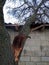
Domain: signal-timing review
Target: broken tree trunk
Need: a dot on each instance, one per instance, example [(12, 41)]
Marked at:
[(19, 40)]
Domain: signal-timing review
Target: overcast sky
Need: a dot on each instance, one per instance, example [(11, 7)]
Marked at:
[(9, 5)]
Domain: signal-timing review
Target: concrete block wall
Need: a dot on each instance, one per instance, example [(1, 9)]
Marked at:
[(36, 49)]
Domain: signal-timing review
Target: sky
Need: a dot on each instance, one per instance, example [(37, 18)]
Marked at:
[(8, 18), (9, 5)]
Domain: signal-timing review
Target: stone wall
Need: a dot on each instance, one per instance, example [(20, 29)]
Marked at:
[(36, 49)]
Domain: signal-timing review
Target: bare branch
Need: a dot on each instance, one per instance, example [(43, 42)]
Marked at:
[(46, 14), (46, 6), (40, 13), (20, 6), (42, 2)]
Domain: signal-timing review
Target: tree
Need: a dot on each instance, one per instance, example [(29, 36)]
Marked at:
[(6, 55), (37, 14)]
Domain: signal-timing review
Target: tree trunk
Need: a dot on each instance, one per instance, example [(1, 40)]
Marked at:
[(6, 55), (24, 33), (19, 40)]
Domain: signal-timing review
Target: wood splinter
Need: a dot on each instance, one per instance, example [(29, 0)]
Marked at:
[(17, 45)]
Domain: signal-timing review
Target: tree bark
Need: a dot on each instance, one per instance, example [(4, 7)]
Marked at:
[(6, 55)]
